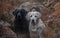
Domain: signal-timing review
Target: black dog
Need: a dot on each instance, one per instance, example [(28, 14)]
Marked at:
[(20, 23)]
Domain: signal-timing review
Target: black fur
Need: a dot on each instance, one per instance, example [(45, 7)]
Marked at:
[(20, 23)]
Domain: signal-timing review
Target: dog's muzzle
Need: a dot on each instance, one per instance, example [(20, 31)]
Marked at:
[(19, 15), (33, 22)]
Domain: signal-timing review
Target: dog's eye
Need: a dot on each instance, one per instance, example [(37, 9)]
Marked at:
[(31, 16), (35, 16)]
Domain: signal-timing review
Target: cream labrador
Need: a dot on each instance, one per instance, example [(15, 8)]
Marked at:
[(36, 25)]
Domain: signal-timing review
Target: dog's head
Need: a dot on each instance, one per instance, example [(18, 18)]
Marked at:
[(33, 16), (20, 13)]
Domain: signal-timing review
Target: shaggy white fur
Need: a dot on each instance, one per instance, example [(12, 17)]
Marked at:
[(36, 25)]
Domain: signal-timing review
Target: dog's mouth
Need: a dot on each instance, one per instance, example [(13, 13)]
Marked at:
[(33, 22)]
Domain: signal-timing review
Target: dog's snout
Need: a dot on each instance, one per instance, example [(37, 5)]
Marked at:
[(32, 20), (19, 16)]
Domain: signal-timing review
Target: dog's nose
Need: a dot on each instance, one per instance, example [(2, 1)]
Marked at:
[(32, 20), (19, 16)]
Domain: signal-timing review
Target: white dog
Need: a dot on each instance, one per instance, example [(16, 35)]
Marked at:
[(36, 25)]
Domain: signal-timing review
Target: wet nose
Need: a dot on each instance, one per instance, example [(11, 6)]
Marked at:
[(32, 20), (19, 16)]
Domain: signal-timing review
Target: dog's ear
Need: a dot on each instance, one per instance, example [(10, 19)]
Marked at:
[(15, 12), (39, 14)]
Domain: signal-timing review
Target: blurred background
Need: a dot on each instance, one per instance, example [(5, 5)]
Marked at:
[(50, 15)]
